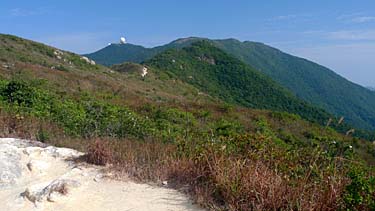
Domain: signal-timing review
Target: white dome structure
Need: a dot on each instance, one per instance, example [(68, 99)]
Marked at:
[(122, 40)]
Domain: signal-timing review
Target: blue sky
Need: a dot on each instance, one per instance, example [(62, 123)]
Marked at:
[(337, 34)]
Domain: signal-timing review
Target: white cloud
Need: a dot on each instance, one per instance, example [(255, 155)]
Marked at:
[(295, 18), (313, 32), (342, 35), (354, 35), (358, 17), (349, 16), (363, 19), (284, 17), (19, 12)]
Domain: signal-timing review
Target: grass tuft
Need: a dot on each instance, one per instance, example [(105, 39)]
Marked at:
[(99, 153)]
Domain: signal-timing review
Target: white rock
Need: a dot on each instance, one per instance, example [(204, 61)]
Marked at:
[(32, 151), (37, 194), (98, 178), (144, 72), (38, 166), (85, 59), (10, 166), (58, 52), (88, 60), (54, 196), (68, 153)]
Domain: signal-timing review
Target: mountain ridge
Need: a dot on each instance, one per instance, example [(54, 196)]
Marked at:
[(216, 72), (307, 80)]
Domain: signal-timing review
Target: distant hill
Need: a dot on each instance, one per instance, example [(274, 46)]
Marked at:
[(307, 80), (129, 52), (371, 88), (217, 73), (119, 53)]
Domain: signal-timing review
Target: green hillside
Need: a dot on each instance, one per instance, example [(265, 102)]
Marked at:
[(218, 74), (307, 80)]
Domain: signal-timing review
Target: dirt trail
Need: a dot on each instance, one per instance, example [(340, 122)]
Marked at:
[(41, 178)]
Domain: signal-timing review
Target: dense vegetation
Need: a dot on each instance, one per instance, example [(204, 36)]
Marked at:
[(309, 81), (159, 128), (239, 168), (85, 117), (218, 74), (312, 82)]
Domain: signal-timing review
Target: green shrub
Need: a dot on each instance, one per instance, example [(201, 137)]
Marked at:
[(360, 193), (227, 128), (285, 116), (19, 93), (42, 135), (172, 123), (84, 117)]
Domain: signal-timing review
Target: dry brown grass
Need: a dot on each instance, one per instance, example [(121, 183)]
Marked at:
[(214, 180), (99, 153), (218, 182), (17, 125)]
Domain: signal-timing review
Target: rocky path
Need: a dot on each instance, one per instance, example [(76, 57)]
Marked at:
[(37, 177)]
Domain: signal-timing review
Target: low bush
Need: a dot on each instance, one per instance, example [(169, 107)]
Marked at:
[(360, 193), (85, 117), (99, 153)]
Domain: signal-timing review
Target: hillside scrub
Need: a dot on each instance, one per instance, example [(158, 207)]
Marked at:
[(245, 172), (86, 117), (222, 162)]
